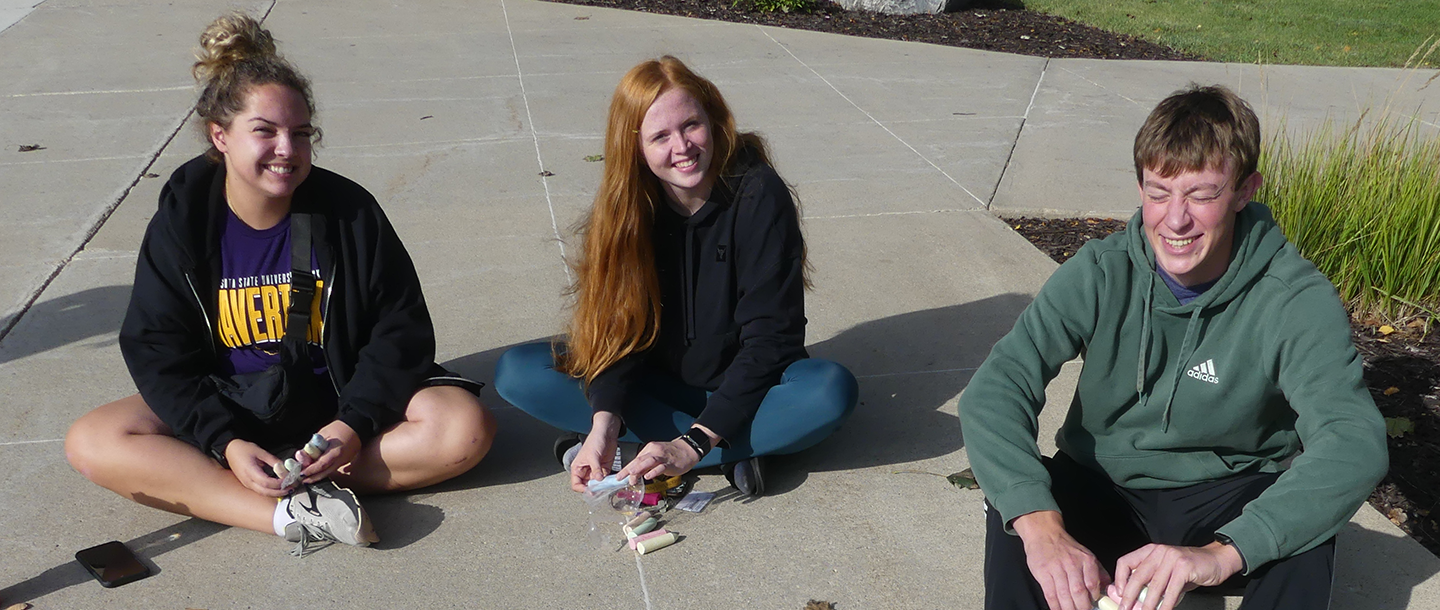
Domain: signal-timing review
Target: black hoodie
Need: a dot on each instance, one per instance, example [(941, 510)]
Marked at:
[(379, 343), (732, 297)]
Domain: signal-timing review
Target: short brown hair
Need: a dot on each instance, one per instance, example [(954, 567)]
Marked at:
[(1199, 128)]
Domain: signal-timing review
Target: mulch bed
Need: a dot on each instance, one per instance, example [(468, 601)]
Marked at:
[(992, 25), (1402, 370)]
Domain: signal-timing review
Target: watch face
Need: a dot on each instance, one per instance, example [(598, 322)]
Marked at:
[(697, 440), (699, 437)]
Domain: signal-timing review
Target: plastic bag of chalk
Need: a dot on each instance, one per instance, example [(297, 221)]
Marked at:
[(611, 502)]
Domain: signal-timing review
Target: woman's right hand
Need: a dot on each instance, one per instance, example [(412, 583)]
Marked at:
[(254, 467), (597, 453)]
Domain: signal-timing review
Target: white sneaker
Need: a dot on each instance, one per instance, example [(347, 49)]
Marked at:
[(325, 512)]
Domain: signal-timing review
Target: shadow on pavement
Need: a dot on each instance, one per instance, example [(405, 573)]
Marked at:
[(910, 367), (1378, 571), (68, 319), (146, 547), (522, 448), (402, 520)]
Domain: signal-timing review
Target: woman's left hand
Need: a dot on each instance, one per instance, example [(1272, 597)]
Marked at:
[(344, 445), (661, 457)]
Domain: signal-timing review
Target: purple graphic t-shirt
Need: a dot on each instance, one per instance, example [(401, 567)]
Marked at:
[(255, 296)]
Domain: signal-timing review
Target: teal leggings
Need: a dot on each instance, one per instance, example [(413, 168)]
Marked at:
[(813, 398)]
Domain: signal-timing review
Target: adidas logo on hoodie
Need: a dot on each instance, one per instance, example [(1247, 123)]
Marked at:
[(1204, 372)]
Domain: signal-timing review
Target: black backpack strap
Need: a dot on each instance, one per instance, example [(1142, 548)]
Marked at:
[(302, 282)]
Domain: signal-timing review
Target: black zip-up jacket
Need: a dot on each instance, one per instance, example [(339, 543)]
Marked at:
[(732, 296), (379, 343)]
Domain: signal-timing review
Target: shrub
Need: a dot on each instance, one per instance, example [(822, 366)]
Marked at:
[(1363, 204)]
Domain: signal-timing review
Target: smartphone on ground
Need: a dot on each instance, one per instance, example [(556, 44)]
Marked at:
[(112, 564)]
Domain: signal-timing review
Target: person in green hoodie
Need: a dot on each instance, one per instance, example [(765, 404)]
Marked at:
[(1220, 431)]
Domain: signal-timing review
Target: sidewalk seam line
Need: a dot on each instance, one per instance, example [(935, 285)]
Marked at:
[(644, 590), (535, 137), (1103, 87), (1019, 132), (94, 228), (48, 440), (876, 214), (97, 92), (9, 325), (930, 372), (868, 115)]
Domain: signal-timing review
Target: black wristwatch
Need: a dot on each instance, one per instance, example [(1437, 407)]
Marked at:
[(698, 440)]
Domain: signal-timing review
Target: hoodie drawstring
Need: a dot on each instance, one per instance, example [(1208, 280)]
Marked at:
[(1187, 349), (1144, 341)]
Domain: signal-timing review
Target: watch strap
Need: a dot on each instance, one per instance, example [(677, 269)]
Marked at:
[(697, 441)]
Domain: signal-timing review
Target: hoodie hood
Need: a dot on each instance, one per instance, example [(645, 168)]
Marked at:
[(1257, 240), (192, 209)]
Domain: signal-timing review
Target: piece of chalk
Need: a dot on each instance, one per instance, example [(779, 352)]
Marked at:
[(291, 464), (643, 537), (1107, 603), (607, 484), (645, 526), (318, 441), (313, 451), (639, 518), (655, 544), (280, 469)]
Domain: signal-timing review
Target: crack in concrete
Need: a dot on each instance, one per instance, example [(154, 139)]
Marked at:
[(870, 116), (12, 321), (539, 159), (1018, 132)]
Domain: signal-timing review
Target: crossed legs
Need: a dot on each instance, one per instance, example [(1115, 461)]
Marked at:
[(122, 446)]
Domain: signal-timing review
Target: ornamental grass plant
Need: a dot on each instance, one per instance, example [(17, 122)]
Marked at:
[(1362, 202)]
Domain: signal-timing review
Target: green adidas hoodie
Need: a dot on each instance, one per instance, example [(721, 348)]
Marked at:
[(1257, 370)]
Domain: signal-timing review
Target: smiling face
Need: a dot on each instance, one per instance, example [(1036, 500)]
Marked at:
[(1190, 220), (267, 147), (675, 140)]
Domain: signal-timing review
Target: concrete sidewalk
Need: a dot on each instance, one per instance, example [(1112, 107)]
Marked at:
[(449, 112)]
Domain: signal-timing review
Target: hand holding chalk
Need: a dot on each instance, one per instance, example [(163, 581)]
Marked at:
[(1108, 603), (316, 446), (294, 469), (608, 484)]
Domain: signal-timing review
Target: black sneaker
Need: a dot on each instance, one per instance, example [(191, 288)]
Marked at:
[(747, 476)]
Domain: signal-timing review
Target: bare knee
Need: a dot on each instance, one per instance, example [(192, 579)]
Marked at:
[(459, 427), (93, 440)]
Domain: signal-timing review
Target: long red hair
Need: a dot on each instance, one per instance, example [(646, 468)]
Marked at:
[(617, 293)]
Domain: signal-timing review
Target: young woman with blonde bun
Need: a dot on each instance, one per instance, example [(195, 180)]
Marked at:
[(688, 331), (210, 327)]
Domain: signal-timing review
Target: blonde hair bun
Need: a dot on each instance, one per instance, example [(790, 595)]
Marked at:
[(229, 40)]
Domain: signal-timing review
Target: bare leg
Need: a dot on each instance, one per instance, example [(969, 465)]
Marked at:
[(122, 446), (446, 431)]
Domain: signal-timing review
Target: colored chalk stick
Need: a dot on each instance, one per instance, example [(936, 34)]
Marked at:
[(643, 537), (645, 526), (655, 544), (639, 518)]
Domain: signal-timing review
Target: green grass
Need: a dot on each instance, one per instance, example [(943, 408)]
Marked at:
[(1363, 203), (1309, 32)]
